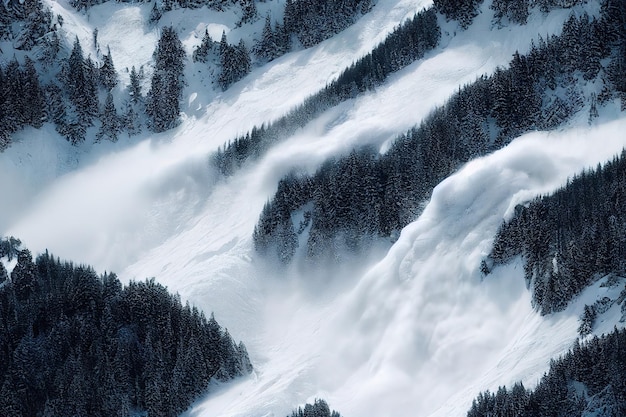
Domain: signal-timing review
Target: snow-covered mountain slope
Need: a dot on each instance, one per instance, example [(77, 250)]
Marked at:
[(412, 333), (155, 164)]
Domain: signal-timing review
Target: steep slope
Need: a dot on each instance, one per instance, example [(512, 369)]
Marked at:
[(421, 324), (163, 160), (398, 338)]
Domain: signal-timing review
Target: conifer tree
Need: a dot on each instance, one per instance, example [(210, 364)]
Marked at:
[(134, 86), (163, 100), (107, 74), (34, 98), (267, 47), (110, 126), (201, 53), (130, 122), (155, 13), (3, 274), (249, 11), (79, 78)]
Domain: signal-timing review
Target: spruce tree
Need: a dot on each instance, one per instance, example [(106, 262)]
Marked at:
[(134, 86), (79, 78), (110, 126), (3, 274), (34, 98), (155, 14), (131, 123), (249, 11), (107, 74), (163, 100), (267, 48), (201, 53)]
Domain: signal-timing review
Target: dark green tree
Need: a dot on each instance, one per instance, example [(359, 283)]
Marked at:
[(166, 89)]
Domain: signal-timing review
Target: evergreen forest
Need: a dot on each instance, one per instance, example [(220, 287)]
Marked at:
[(588, 380), (74, 343), (351, 201)]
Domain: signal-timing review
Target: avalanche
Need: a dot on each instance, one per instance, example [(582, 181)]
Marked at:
[(415, 332)]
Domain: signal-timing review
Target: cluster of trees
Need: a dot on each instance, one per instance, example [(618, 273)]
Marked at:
[(307, 23), (513, 11), (30, 27), (75, 104), (21, 99), (517, 11), (537, 91), (229, 63), (73, 343), (35, 23), (409, 42), (81, 97), (589, 380), (463, 11), (505, 11), (235, 62), (167, 5), (571, 238), (318, 409)]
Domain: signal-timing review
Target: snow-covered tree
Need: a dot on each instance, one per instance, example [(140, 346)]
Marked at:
[(107, 73), (267, 48), (110, 121), (79, 78), (249, 11), (234, 61), (163, 100)]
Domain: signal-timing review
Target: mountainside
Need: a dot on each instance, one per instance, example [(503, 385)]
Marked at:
[(411, 323)]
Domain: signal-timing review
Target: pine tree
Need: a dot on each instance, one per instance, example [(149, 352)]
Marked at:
[(131, 123), (110, 126), (163, 101), (34, 98), (79, 78), (155, 14), (24, 275), (249, 11), (134, 86), (243, 60), (3, 274), (267, 47), (201, 53), (50, 45), (107, 74)]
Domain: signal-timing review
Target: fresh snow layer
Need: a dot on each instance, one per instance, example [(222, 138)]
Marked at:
[(416, 334)]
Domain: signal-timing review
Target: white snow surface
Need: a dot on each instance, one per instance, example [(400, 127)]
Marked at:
[(413, 332)]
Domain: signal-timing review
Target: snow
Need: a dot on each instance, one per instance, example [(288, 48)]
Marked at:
[(413, 332)]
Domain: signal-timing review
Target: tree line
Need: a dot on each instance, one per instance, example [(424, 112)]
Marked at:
[(571, 238), (588, 380), (505, 11), (79, 97), (406, 44), (319, 408), (354, 199), (74, 343)]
